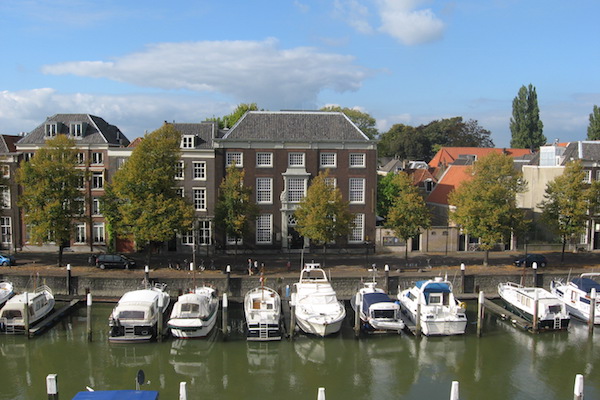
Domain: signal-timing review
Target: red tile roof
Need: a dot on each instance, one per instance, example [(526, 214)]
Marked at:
[(447, 155), (452, 178)]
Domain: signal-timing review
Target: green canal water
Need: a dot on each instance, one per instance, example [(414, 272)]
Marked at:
[(505, 363)]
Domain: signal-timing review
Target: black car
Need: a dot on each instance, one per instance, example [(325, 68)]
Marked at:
[(114, 261), (528, 260)]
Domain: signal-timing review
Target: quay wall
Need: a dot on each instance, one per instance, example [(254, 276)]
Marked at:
[(345, 286)]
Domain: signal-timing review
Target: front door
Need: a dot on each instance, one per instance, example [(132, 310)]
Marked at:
[(296, 241)]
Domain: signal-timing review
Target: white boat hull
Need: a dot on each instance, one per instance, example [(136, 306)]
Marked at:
[(576, 300), (192, 328), (319, 326), (262, 310), (41, 302), (194, 315)]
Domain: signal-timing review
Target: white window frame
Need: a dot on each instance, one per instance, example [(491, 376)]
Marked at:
[(199, 199), (356, 190), (5, 230), (199, 170), (80, 158), (264, 190), (204, 232), (232, 241), (187, 238), (294, 192), (236, 157), (76, 130), (98, 233), (264, 229), (187, 141), (296, 159), (264, 159), (80, 233), (96, 206), (180, 191), (357, 233), (357, 160), (5, 171), (98, 180), (180, 170), (587, 178), (328, 160), (97, 158), (51, 129), (5, 197), (331, 181)]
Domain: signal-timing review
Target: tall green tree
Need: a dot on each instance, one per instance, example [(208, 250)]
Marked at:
[(593, 130), (322, 215), (566, 203), (229, 120), (141, 201), (235, 210), (525, 125), (408, 214), (485, 206), (50, 197), (362, 120)]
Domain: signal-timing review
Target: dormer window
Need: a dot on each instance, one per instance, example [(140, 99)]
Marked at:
[(51, 129), (76, 129), (187, 142)]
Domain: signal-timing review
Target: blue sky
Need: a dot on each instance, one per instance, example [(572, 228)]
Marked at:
[(139, 63)]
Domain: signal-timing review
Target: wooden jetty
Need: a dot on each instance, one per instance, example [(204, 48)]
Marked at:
[(52, 318)]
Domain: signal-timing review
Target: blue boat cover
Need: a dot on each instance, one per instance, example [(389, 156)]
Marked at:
[(434, 287), (372, 298), (118, 395), (586, 284)]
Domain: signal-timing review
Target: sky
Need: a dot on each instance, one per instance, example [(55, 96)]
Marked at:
[(139, 63)]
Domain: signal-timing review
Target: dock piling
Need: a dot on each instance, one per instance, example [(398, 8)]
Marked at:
[(480, 302), (536, 303), (292, 315), (68, 279), (227, 283), (159, 325), (52, 386), (386, 281), (534, 267), (593, 301), (89, 317), (26, 313), (454, 395), (462, 277), (357, 321), (578, 389), (224, 318), (321, 394), (147, 276), (418, 320), (182, 390)]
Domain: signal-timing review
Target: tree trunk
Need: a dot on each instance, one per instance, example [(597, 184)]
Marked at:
[(562, 254), (60, 255), (406, 253), (486, 257)]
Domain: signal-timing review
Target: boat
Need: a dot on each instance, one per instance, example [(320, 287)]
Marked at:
[(194, 314), (40, 303), (432, 302), (317, 309), (551, 311), (377, 311), (117, 395), (576, 295), (6, 292), (262, 308), (136, 316)]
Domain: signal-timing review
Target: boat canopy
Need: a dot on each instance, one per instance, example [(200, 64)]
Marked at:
[(373, 298), (118, 395), (434, 287), (586, 284)]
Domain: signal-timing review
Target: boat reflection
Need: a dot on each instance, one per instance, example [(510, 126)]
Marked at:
[(190, 357)]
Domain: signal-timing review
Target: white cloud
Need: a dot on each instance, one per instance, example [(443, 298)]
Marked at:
[(250, 71), (401, 20), (355, 14)]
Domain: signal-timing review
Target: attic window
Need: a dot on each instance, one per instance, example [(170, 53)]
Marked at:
[(187, 142), (76, 129), (51, 129)]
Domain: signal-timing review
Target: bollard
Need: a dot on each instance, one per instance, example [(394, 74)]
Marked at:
[(182, 391), (68, 279), (321, 394), (536, 303), (224, 319), (227, 283), (481, 300), (159, 325), (147, 275), (454, 391), (534, 267), (52, 386), (89, 317), (386, 282), (592, 311), (578, 389), (418, 320), (192, 266), (462, 277)]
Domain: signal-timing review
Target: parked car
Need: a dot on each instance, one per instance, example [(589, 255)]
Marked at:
[(528, 260), (114, 261), (6, 259)]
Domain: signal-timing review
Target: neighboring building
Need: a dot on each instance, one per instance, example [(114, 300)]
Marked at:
[(10, 229), (94, 138), (281, 151)]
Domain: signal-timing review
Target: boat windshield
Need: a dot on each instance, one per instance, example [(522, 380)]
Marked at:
[(128, 314), (556, 309), (11, 314), (384, 314), (190, 307), (323, 299), (438, 299)]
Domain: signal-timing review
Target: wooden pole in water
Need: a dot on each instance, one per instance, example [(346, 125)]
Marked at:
[(462, 276), (578, 389), (89, 317), (418, 319), (321, 394), (159, 325), (534, 267), (224, 318), (26, 313), (592, 311), (292, 315), (182, 391), (52, 386), (356, 319), (227, 283), (68, 279), (454, 391), (481, 300), (536, 304), (146, 276), (386, 270)]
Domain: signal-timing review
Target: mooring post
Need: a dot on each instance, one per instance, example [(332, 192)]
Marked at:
[(224, 318), (227, 282), (292, 315), (52, 386), (418, 319), (462, 277), (68, 279), (534, 267), (321, 394), (592, 311), (536, 303), (146, 276), (480, 306), (578, 389), (89, 317), (454, 391), (182, 390), (356, 320), (386, 271), (26, 313), (159, 325)]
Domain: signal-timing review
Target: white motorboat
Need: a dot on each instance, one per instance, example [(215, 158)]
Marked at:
[(318, 310), (551, 311), (39, 303), (262, 308), (577, 295), (377, 311), (6, 292), (434, 305), (136, 316), (194, 314)]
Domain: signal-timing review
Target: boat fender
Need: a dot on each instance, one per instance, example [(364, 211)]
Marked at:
[(462, 305)]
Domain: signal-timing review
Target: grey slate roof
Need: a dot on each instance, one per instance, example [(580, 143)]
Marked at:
[(204, 131), (7, 143), (315, 126), (97, 131), (582, 150)]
